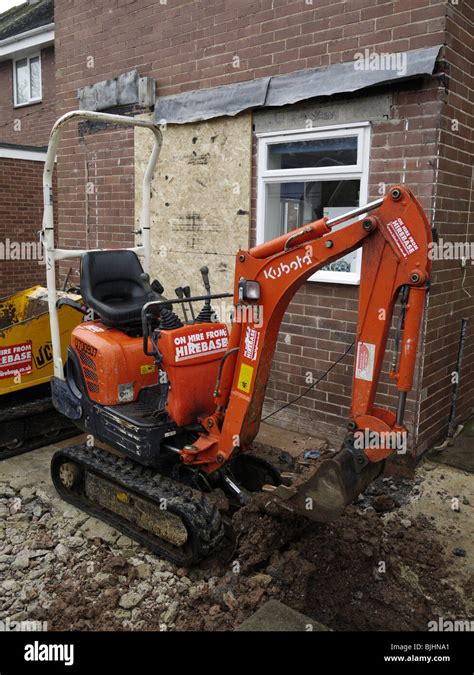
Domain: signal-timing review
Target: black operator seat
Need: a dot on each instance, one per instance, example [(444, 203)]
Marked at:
[(114, 285)]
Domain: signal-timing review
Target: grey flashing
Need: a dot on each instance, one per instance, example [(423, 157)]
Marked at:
[(203, 104), (121, 90)]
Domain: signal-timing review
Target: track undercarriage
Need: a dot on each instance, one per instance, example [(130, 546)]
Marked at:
[(28, 421), (172, 518)]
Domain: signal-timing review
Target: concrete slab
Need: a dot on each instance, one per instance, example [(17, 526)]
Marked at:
[(275, 616), (291, 441)]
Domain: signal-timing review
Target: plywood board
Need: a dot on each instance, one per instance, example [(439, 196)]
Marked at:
[(200, 210)]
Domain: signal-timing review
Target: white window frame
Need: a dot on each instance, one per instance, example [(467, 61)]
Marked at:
[(359, 171), (28, 57)]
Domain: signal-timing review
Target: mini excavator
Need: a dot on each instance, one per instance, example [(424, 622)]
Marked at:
[(172, 407)]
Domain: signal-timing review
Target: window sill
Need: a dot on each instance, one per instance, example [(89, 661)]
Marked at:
[(24, 105)]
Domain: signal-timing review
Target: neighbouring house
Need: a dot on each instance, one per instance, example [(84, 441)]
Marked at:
[(27, 112), (275, 112)]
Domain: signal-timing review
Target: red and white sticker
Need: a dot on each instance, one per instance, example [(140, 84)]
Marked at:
[(94, 328), (252, 338), (16, 360), (198, 344), (402, 237), (365, 361)]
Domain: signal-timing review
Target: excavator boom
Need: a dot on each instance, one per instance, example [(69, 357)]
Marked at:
[(394, 235)]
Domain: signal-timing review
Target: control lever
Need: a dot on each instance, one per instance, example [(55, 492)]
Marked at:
[(205, 279), (157, 287), (206, 313), (180, 293), (187, 294)]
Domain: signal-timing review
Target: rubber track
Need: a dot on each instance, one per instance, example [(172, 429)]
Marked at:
[(202, 518)]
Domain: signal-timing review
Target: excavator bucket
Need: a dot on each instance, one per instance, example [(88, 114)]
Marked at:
[(322, 491)]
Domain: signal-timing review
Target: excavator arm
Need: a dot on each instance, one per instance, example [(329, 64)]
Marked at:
[(394, 235)]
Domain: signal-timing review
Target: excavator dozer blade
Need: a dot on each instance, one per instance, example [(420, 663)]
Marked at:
[(322, 492)]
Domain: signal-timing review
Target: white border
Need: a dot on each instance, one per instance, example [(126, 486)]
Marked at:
[(28, 57), (359, 171)]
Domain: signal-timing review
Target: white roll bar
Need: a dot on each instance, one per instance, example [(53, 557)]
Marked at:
[(52, 254)]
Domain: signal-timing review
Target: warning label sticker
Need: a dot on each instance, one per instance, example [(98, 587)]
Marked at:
[(245, 377), (193, 345), (365, 361), (16, 360), (402, 237)]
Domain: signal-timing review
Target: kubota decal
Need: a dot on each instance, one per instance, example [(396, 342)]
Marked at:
[(285, 268), (16, 360), (197, 344), (252, 338), (365, 361), (402, 237)]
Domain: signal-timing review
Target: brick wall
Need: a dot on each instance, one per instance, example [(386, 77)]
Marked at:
[(31, 124), (21, 210), (452, 292), (189, 44), (21, 192)]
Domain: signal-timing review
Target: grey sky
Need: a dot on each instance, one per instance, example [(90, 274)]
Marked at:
[(6, 4)]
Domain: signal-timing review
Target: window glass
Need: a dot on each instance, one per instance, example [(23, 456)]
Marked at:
[(22, 81), (35, 77), (323, 152), (289, 205)]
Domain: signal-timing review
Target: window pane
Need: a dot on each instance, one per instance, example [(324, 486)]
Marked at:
[(321, 152), (22, 83), (293, 204), (35, 77)]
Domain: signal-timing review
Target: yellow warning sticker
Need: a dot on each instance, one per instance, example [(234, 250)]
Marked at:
[(150, 368), (245, 377)]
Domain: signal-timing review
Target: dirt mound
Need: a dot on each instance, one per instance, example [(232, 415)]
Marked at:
[(365, 571)]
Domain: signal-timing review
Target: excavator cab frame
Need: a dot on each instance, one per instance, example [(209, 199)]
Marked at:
[(53, 254)]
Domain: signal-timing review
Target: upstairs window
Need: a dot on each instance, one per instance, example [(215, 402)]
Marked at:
[(27, 80), (305, 175)]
